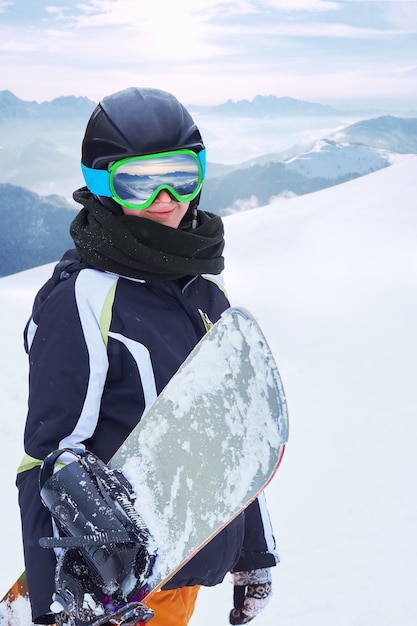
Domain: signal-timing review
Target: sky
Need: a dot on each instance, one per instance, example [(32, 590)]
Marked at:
[(209, 51), (331, 277)]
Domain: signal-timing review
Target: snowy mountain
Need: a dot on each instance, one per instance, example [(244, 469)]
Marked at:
[(33, 229), (43, 165), (331, 278), (40, 143), (337, 162), (324, 164), (395, 134), (358, 149)]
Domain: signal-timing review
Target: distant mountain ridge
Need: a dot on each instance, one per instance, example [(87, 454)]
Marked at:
[(262, 106), (13, 107)]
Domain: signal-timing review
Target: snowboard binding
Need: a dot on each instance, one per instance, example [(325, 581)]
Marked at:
[(106, 553)]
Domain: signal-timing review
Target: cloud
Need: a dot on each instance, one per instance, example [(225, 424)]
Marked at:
[(58, 13), (242, 204), (213, 28), (5, 5), (13, 46), (302, 5), (401, 15), (181, 14), (153, 31), (314, 30), (143, 16), (212, 32), (205, 51)]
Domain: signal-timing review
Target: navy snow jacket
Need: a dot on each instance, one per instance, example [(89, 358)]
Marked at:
[(101, 348)]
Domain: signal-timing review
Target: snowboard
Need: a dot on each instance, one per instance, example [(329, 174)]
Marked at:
[(206, 448)]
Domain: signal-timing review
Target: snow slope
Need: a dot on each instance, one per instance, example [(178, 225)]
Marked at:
[(331, 160), (331, 276)]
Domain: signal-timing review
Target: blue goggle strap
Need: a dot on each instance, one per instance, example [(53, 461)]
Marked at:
[(98, 181)]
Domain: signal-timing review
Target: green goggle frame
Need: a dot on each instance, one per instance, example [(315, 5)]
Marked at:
[(135, 182)]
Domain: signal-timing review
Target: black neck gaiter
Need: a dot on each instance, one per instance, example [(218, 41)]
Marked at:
[(141, 248)]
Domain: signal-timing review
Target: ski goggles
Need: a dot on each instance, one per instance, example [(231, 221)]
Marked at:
[(135, 182)]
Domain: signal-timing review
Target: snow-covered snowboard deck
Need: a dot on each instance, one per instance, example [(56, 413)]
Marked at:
[(209, 444), (206, 448)]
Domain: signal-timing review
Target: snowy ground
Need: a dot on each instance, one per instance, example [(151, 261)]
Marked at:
[(332, 277)]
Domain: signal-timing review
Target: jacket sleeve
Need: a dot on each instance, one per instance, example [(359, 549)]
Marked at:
[(68, 366), (259, 549)]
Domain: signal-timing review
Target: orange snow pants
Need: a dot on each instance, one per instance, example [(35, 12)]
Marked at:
[(173, 607)]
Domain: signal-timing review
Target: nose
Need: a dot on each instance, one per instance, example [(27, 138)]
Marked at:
[(163, 196)]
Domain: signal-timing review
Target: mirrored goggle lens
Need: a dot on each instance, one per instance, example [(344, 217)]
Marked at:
[(138, 181)]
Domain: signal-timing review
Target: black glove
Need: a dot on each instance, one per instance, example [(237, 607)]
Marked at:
[(252, 592)]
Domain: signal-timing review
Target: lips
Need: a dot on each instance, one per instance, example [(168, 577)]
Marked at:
[(165, 213), (162, 213)]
